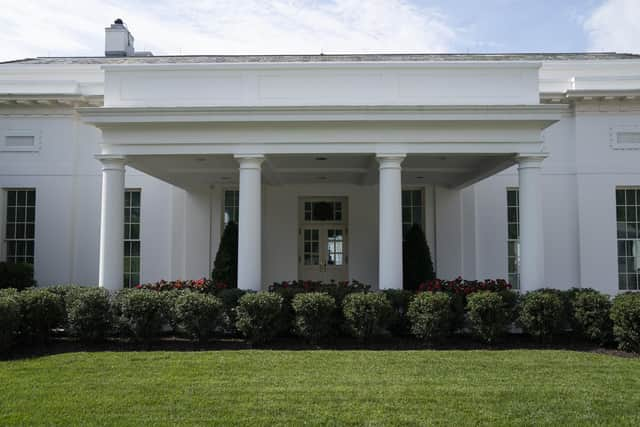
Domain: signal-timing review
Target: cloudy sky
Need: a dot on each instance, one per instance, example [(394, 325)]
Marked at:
[(68, 27)]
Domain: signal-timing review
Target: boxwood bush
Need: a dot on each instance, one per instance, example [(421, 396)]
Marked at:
[(590, 315), (142, 313), (625, 314), (542, 314), (9, 320), (430, 315), (489, 315), (40, 312), (259, 316), (366, 314), (314, 313), (399, 300), (89, 314), (198, 314)]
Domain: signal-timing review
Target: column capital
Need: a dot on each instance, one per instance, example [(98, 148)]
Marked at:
[(390, 161), (530, 160), (111, 161), (249, 161)]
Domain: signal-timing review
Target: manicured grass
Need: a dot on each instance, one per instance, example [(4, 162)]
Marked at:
[(321, 387)]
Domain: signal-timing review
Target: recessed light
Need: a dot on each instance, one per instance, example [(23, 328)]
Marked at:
[(321, 158)]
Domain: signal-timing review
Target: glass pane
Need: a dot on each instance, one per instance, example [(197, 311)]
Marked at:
[(622, 248), (12, 198), (622, 281), (513, 232), (307, 234), (127, 231), (127, 249), (20, 231), (512, 214), (631, 213), (135, 214), (338, 259), (135, 264), (135, 231), (135, 198), (11, 231), (511, 198), (619, 197), (20, 214), (30, 249), (632, 282), (22, 198), (31, 198), (127, 214), (406, 215), (135, 248), (406, 197), (631, 197), (315, 234), (622, 230), (620, 213), (417, 215), (11, 214), (127, 198)]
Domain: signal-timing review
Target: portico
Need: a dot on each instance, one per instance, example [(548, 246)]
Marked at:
[(269, 135)]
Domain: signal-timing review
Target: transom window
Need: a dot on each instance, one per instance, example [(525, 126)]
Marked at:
[(323, 211), (513, 237), (412, 210), (628, 235), (131, 238), (231, 206), (20, 226)]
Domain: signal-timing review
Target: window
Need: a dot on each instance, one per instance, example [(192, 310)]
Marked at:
[(131, 238), (513, 237), (628, 219), (20, 229), (231, 206), (412, 210), (323, 211)]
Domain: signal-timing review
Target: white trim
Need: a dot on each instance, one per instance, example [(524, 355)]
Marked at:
[(614, 136), (37, 140)]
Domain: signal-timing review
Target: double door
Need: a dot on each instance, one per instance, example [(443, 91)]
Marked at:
[(323, 252)]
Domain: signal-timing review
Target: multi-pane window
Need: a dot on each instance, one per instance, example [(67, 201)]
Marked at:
[(231, 206), (131, 238), (20, 225), (335, 247), (513, 237), (412, 210), (323, 211), (628, 225), (311, 241)]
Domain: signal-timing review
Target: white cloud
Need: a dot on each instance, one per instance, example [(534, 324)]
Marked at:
[(58, 27), (615, 26)]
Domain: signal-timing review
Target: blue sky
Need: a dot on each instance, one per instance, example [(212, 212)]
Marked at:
[(76, 28)]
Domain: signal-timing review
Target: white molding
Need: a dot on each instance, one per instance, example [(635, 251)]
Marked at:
[(37, 140), (615, 131)]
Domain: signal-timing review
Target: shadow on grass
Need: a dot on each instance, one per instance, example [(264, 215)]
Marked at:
[(61, 345)]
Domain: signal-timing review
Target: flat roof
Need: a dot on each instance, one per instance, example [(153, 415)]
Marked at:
[(392, 57)]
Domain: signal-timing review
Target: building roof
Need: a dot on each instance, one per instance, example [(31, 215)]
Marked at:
[(394, 57)]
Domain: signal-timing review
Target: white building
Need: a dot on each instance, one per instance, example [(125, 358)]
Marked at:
[(324, 160)]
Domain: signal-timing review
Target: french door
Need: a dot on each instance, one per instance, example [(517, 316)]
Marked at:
[(323, 245)]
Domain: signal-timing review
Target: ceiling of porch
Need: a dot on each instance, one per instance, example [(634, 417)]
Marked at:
[(190, 171)]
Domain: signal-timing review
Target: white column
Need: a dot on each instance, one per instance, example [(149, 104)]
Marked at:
[(531, 231), (249, 223), (111, 266), (390, 221)]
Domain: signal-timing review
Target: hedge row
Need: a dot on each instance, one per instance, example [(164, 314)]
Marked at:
[(316, 312)]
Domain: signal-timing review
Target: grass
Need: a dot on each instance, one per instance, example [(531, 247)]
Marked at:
[(525, 387)]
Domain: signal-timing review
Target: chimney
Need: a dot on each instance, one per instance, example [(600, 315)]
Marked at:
[(118, 40)]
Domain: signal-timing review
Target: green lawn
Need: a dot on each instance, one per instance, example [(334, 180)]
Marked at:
[(321, 387)]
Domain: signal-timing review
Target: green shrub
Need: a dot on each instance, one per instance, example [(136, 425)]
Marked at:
[(68, 293), (430, 315), (225, 266), (198, 314), (489, 315), (416, 259), (9, 321), (142, 313), (590, 315), (366, 314), (17, 276), (40, 312), (625, 314), (258, 316), (230, 299), (542, 314), (399, 300), (89, 314), (313, 315)]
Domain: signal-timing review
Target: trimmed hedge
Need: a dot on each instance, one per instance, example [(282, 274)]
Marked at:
[(9, 320), (89, 314), (430, 315), (259, 316), (399, 300), (198, 314), (590, 315), (542, 314), (366, 314), (313, 315), (40, 311), (625, 314), (489, 315), (142, 313)]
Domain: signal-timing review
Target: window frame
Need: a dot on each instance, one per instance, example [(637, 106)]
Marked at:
[(5, 221), (412, 206), (224, 206), (127, 283), (513, 274), (634, 241)]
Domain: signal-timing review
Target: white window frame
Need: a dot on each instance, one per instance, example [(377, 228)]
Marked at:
[(423, 208), (511, 275), (128, 283), (634, 241), (4, 221), (224, 206)]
